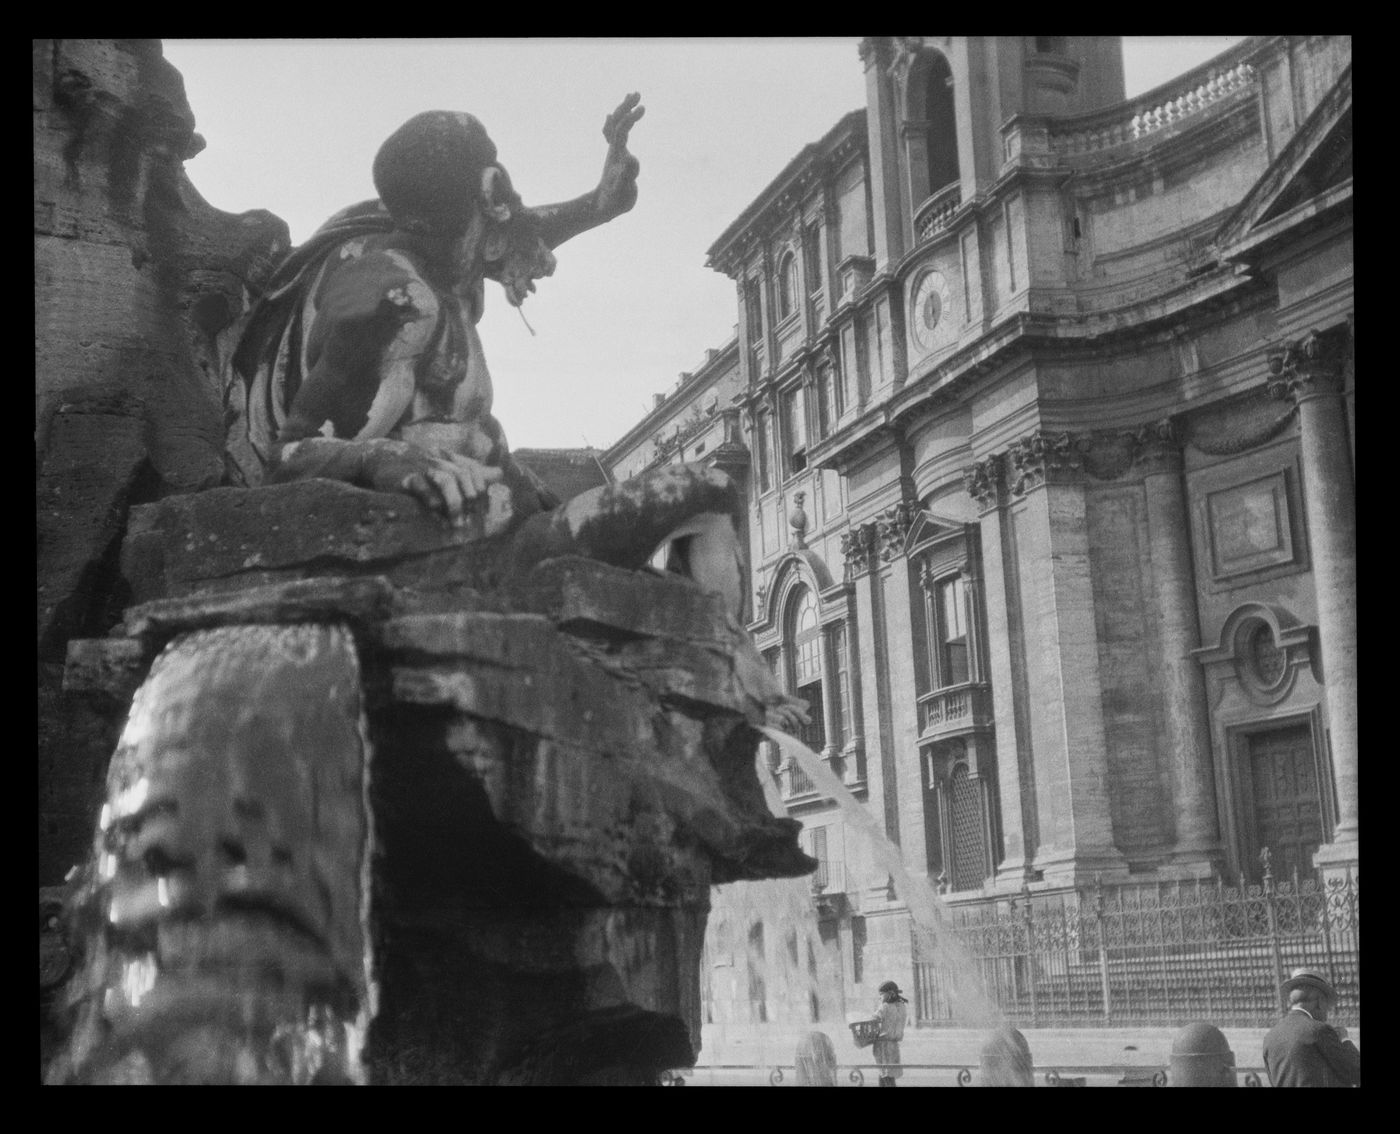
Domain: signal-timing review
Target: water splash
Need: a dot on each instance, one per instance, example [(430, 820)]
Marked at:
[(937, 943)]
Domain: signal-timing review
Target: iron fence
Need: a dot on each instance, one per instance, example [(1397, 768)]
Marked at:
[(1156, 954)]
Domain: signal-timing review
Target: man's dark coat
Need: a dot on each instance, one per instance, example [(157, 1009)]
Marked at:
[(1302, 1052)]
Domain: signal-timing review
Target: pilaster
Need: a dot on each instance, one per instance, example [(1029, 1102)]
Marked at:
[(859, 548), (986, 485), (892, 528)]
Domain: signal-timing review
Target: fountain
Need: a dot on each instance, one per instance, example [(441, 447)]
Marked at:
[(423, 775), (936, 941), (427, 775), (795, 985)]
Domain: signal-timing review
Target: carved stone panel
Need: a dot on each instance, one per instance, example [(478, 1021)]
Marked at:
[(1249, 526)]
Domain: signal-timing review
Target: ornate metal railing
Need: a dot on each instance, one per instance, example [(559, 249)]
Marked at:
[(1157, 109), (1156, 953), (936, 211)]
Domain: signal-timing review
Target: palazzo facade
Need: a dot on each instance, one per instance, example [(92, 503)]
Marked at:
[(1042, 400)]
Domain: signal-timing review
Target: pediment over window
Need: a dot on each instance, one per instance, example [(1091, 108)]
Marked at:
[(929, 527), (1310, 177)]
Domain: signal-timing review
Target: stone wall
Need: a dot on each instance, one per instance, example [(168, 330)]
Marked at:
[(139, 285)]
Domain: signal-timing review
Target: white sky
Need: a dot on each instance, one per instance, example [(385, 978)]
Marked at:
[(292, 127)]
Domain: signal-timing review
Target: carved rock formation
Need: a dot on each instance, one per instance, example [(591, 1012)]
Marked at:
[(562, 766), (138, 285)]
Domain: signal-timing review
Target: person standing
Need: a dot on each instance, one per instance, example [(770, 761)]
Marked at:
[(1303, 1049), (890, 1017)]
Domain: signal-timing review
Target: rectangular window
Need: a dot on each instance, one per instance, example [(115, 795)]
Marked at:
[(794, 409), (952, 632), (753, 306), (841, 676), (816, 847), (812, 257), (763, 448), (826, 400)]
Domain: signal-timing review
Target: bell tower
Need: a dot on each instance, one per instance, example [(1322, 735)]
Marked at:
[(936, 105)]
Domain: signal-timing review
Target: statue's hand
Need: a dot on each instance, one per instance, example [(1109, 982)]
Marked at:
[(617, 189), (445, 482)]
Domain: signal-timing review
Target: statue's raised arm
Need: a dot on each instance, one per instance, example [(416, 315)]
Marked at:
[(616, 192)]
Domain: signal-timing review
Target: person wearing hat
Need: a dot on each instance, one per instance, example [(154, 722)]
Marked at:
[(1303, 1049), (890, 1017)]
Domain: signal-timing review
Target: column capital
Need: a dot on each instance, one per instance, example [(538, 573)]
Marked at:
[(1157, 447), (858, 548), (1044, 458), (892, 527), (986, 484), (1309, 367)]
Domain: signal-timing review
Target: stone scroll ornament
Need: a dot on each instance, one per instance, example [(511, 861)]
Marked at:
[(427, 774)]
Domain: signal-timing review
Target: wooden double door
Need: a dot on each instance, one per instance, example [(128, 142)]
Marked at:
[(1283, 800)]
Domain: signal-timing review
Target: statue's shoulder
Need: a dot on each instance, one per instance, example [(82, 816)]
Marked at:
[(368, 275)]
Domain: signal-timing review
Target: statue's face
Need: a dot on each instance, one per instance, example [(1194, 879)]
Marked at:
[(508, 245)]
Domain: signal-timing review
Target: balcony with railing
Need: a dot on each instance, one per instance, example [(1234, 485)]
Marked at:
[(955, 710), (933, 216), (1161, 112)]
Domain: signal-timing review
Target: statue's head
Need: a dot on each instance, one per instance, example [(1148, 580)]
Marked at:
[(438, 176)]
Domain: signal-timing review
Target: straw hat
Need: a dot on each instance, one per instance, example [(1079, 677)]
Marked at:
[(1309, 978)]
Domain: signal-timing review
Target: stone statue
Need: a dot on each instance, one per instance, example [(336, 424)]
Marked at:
[(363, 364)]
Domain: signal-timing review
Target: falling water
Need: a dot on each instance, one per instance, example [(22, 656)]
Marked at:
[(937, 943), (223, 914)]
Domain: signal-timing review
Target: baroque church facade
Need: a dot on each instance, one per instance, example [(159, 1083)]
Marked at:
[(1042, 403)]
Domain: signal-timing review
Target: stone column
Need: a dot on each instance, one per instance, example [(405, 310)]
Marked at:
[(1310, 372), (858, 545), (1158, 455), (1062, 662), (1005, 656)]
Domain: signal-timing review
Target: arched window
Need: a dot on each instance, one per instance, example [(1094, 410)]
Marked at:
[(941, 138), (787, 285)]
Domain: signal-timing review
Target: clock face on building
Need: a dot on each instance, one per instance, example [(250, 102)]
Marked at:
[(931, 313)]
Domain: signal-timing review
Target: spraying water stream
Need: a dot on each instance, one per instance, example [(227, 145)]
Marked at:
[(970, 1002)]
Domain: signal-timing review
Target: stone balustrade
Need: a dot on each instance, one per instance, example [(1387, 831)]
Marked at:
[(958, 708), (934, 214), (1156, 111)]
